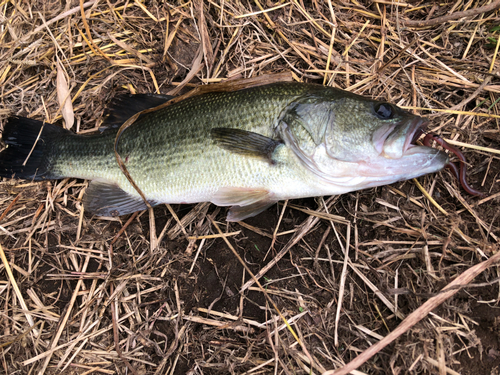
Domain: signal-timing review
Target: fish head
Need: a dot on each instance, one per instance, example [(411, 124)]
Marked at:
[(354, 142)]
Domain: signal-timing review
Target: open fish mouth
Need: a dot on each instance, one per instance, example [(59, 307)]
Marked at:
[(417, 128), (397, 141)]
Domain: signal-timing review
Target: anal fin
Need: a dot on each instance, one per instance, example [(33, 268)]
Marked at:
[(104, 198)]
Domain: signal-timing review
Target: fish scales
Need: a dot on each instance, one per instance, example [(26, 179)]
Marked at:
[(158, 147), (247, 149)]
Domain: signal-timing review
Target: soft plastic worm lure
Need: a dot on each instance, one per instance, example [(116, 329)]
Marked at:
[(458, 172)]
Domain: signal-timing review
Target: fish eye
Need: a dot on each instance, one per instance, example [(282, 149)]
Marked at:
[(384, 111)]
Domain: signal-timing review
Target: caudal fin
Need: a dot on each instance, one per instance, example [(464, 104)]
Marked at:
[(27, 152)]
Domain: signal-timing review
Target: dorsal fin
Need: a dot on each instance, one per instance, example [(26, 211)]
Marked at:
[(124, 106)]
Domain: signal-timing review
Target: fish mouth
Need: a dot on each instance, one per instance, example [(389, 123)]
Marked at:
[(401, 157), (402, 140), (417, 128)]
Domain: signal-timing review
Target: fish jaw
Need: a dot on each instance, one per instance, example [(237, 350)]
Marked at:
[(400, 139), (343, 177), (415, 162), (401, 158)]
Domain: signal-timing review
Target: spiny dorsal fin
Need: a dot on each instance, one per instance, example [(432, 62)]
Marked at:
[(245, 143), (122, 107)]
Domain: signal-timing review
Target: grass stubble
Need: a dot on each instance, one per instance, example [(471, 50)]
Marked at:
[(383, 277)]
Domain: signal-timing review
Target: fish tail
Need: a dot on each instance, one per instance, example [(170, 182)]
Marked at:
[(28, 146)]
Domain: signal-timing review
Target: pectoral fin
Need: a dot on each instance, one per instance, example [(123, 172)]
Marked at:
[(246, 143), (108, 199), (245, 202)]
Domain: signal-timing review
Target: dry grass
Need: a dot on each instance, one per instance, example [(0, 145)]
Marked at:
[(162, 293)]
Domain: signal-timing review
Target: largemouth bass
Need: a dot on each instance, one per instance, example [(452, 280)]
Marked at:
[(247, 149)]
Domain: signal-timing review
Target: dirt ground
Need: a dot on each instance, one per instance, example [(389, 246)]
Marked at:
[(163, 292)]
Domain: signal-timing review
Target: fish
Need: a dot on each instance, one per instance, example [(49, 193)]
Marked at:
[(247, 149)]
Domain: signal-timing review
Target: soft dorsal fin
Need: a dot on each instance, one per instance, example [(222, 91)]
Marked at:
[(245, 143), (122, 107), (104, 198)]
